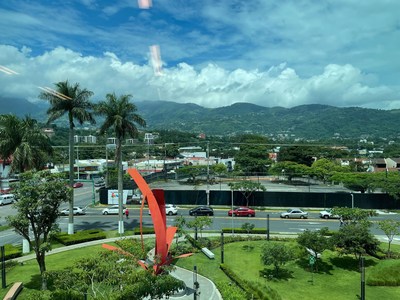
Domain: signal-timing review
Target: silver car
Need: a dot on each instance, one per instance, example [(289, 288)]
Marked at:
[(112, 210), (294, 213)]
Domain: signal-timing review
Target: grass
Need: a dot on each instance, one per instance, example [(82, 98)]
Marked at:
[(337, 278)]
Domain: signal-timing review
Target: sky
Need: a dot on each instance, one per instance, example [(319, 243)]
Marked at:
[(212, 53)]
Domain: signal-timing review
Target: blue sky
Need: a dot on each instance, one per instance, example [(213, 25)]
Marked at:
[(213, 53)]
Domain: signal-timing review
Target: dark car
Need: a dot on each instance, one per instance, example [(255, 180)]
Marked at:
[(242, 212), (201, 211)]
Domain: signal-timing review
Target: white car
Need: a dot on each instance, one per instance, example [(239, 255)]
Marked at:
[(76, 211), (113, 210), (294, 213), (6, 199), (327, 214), (170, 209)]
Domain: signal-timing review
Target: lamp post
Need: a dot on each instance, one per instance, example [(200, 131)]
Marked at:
[(352, 200), (232, 211)]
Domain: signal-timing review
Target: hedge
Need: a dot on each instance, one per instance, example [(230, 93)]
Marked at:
[(251, 289), (241, 231), (80, 237), (146, 230), (11, 251)]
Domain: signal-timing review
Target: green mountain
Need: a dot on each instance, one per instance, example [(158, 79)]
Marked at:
[(312, 121), (305, 121)]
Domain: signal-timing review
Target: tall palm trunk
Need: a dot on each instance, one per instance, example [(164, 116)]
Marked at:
[(120, 186), (71, 176)]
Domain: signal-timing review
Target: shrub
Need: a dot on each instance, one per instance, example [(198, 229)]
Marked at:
[(145, 230), (11, 251), (80, 237), (252, 290), (386, 273)]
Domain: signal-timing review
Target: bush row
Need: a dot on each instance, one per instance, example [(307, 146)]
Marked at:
[(244, 231), (145, 230), (11, 251), (387, 273), (80, 237), (252, 290)]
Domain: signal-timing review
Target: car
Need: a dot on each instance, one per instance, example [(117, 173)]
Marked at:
[(327, 214), (294, 213), (113, 210), (201, 211), (7, 199), (242, 211), (170, 209), (100, 183), (77, 210), (77, 185)]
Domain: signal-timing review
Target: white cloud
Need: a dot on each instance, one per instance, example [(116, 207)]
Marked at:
[(209, 86)]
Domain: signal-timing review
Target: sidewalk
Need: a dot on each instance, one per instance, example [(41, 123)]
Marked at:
[(207, 288)]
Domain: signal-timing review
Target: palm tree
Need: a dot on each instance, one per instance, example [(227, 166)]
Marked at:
[(73, 101), (24, 142), (120, 114)]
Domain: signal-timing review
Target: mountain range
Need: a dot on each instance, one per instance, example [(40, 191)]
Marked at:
[(313, 121)]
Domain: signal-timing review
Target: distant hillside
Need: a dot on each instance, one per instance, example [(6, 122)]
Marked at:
[(305, 121), (18, 106)]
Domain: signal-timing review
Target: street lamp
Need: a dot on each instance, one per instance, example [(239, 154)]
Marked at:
[(352, 200), (208, 174)]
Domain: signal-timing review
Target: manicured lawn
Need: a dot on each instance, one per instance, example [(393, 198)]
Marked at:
[(337, 278)]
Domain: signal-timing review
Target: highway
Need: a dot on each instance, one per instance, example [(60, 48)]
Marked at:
[(95, 219)]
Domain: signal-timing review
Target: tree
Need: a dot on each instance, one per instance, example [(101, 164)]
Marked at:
[(73, 101), (192, 171), (289, 169), (120, 115), (199, 223), (247, 188), (180, 223), (23, 140), (355, 181), (391, 228), (113, 275), (353, 215), (38, 198), (356, 239), (248, 227), (324, 168), (316, 241), (277, 254), (304, 155), (253, 155)]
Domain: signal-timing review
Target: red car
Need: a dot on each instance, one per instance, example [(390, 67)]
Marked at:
[(242, 212), (78, 185)]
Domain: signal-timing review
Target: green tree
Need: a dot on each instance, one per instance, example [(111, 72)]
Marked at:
[(180, 223), (74, 102), (248, 227), (120, 115), (289, 169), (303, 155), (356, 239), (38, 199), (391, 228), (315, 240), (247, 188), (23, 141), (324, 168), (199, 223), (361, 182), (276, 254), (353, 215), (192, 171), (112, 275), (253, 156)]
